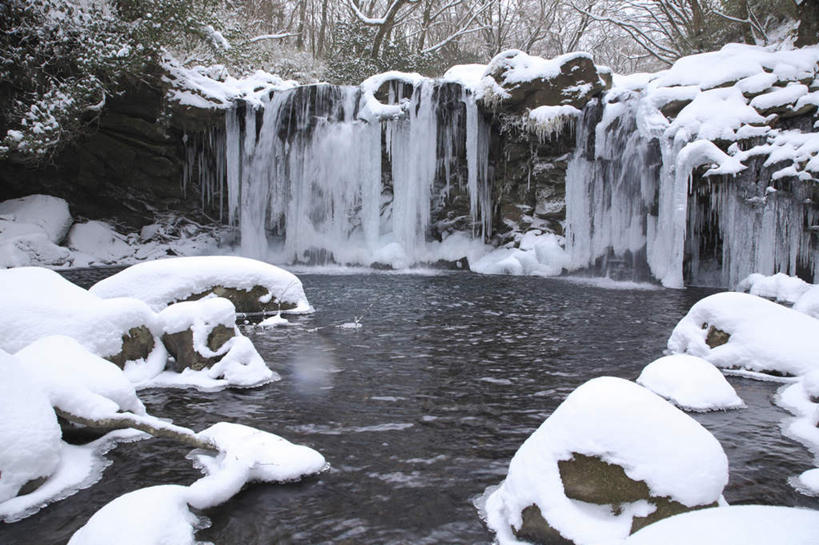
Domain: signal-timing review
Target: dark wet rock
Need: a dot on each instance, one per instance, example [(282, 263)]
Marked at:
[(665, 508), (180, 345), (716, 337), (590, 479), (244, 300), (136, 344), (535, 528)]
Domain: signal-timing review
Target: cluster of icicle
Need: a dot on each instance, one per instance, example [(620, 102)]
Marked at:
[(314, 175)]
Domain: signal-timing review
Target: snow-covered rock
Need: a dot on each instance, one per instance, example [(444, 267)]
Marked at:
[(808, 303), (49, 214), (738, 330), (77, 381), (516, 81), (660, 460), (251, 285), (161, 515), (38, 303), (689, 382), (100, 241), (734, 525), (30, 438), (209, 350)]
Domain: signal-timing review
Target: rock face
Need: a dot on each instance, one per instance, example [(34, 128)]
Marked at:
[(246, 300), (136, 344)]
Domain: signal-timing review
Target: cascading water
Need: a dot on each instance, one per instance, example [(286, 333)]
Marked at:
[(313, 177), (636, 208)]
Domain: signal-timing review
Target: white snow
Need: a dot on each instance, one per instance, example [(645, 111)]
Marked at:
[(162, 282), (549, 121), (809, 482), (99, 241), (515, 66), (157, 515), (200, 316), (37, 303), (765, 336), (30, 445), (30, 229), (77, 381), (622, 423), (734, 525), (469, 76), (689, 382), (715, 114), (780, 96)]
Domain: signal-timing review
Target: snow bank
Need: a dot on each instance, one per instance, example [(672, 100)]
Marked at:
[(38, 303), (538, 253), (764, 336), (735, 525), (30, 444), (469, 76), (515, 66), (99, 242), (162, 282), (689, 382), (624, 424), (77, 381)]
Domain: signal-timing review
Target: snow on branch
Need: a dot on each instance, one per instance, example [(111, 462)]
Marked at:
[(464, 30), (278, 36)]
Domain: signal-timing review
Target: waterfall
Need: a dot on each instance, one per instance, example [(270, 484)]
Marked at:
[(638, 208), (311, 177)]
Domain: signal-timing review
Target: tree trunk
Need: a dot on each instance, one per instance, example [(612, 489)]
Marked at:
[(386, 28), (808, 33), (300, 28), (322, 30)]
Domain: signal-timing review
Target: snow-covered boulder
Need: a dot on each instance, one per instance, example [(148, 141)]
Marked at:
[(30, 438), (734, 525), (808, 303), (99, 242), (738, 330), (195, 332), (779, 287), (76, 381), (612, 458), (37, 303), (252, 286), (689, 382), (30, 229), (515, 81), (49, 214)]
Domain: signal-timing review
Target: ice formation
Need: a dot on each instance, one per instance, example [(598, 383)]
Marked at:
[(624, 424), (165, 281), (631, 198), (689, 382)]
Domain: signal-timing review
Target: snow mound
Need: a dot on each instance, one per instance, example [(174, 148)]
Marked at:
[(734, 525), (38, 303), (165, 281), (158, 515), (515, 66), (77, 381), (808, 482), (99, 241), (538, 254), (30, 444), (48, 214), (200, 316), (624, 424), (763, 336), (468, 76), (809, 302), (689, 382)]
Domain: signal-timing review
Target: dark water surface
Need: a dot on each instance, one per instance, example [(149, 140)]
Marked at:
[(421, 408)]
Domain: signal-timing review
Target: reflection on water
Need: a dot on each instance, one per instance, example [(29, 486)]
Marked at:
[(420, 409)]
